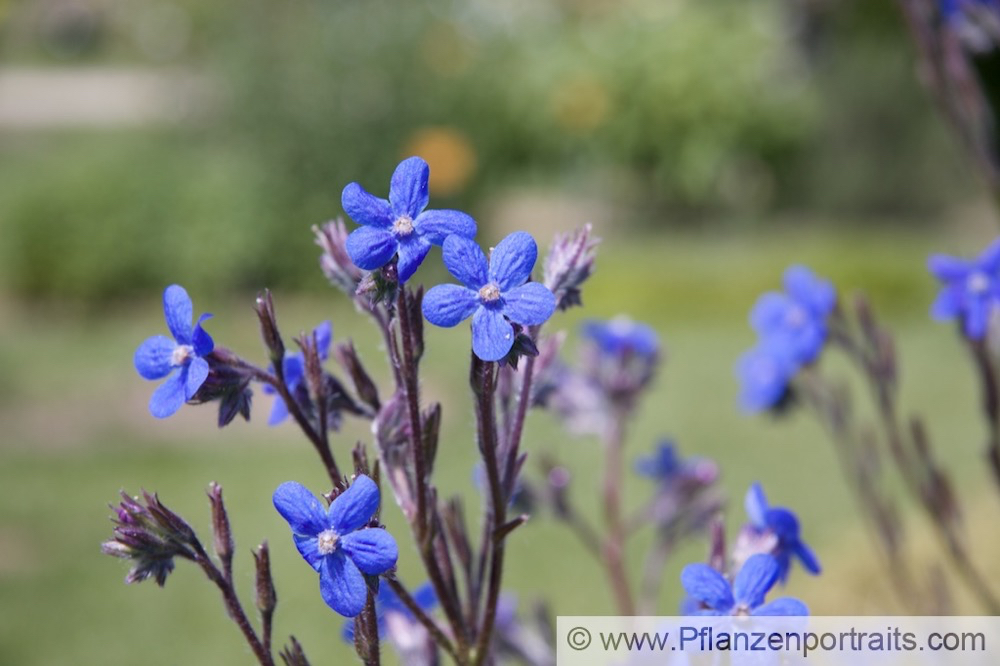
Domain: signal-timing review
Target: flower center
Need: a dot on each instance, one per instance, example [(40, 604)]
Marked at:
[(181, 354), (326, 541), (403, 226), (977, 283), (795, 317), (489, 293), (741, 609)]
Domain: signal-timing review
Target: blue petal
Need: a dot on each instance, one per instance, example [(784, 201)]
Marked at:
[(408, 188), (366, 209), (492, 335), (758, 575), (153, 358), (279, 412), (768, 314), (813, 292), (324, 334), (786, 606), (308, 547), (178, 311), (707, 585), (512, 260), (977, 318), (807, 557), (530, 304), (412, 251), (201, 341), (756, 507), (783, 523), (989, 260), (448, 304), (465, 260), (373, 550), (435, 226), (294, 368), (947, 269), (355, 506), (304, 513), (169, 396), (371, 248), (197, 373), (948, 304), (342, 586), (425, 596)]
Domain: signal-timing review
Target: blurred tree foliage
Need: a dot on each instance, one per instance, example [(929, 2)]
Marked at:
[(663, 108)]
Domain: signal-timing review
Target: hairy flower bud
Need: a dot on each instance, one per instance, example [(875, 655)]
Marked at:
[(266, 597), (568, 265), (335, 263), (364, 385), (222, 535), (264, 307)]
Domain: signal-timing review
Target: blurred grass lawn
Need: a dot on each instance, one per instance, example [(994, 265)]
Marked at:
[(75, 430)]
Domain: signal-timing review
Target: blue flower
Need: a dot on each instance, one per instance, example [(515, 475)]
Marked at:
[(746, 594), (181, 358), (621, 336), (494, 293), (970, 290), (764, 373), (796, 318), (388, 602), (784, 526), (400, 225), (663, 465), (294, 367), (337, 542)]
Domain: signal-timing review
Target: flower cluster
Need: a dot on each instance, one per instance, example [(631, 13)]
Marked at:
[(970, 289), (792, 329)]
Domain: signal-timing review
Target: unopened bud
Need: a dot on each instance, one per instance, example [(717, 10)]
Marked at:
[(335, 262), (264, 307), (364, 385), (266, 596), (222, 535), (568, 265)]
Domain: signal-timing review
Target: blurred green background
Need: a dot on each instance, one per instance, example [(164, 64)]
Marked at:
[(711, 143)]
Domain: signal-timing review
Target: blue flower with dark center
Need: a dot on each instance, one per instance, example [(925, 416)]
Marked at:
[(746, 594), (797, 317), (294, 367), (387, 602), (784, 525), (621, 336), (181, 358), (400, 225), (494, 292), (764, 373), (338, 542), (970, 290)]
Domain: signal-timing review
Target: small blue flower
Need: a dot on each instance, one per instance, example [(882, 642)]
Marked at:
[(494, 293), (784, 525), (400, 225), (797, 317), (294, 367), (388, 602), (970, 291), (621, 336), (181, 358), (337, 542), (746, 594), (764, 373), (663, 465)]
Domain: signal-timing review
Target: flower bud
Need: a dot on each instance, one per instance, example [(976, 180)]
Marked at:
[(222, 535), (335, 263), (568, 265), (264, 307), (265, 595)]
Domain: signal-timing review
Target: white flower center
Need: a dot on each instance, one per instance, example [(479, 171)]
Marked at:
[(181, 354), (741, 609), (326, 542), (403, 226), (489, 293), (795, 317), (977, 283)]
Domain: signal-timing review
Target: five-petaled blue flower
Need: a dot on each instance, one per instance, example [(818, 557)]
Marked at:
[(294, 368), (971, 289), (400, 225), (784, 525), (621, 336), (796, 318), (337, 542), (764, 373), (746, 594), (387, 602), (493, 292), (181, 358)]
